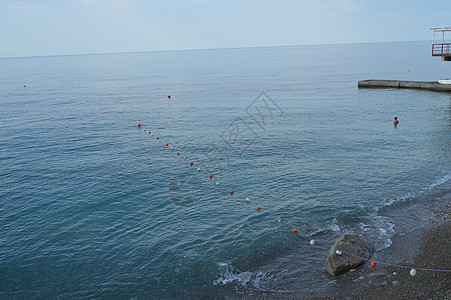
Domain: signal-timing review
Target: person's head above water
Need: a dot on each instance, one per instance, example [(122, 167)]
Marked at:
[(396, 121)]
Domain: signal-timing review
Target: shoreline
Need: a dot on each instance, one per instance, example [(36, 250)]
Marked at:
[(426, 247)]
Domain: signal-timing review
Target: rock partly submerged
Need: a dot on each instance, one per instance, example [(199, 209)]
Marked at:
[(352, 252)]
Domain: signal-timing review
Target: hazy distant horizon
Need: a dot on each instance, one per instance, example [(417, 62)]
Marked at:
[(201, 49), (67, 27)]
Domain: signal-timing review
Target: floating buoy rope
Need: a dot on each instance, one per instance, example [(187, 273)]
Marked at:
[(312, 241)]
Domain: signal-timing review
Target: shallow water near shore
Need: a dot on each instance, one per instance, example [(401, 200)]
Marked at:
[(93, 206)]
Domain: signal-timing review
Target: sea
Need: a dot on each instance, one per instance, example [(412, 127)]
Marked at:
[(94, 206)]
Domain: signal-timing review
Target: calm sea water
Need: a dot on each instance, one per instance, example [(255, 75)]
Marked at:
[(91, 206)]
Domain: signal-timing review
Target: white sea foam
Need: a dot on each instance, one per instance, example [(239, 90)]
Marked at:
[(334, 226), (228, 275), (439, 181), (378, 229)]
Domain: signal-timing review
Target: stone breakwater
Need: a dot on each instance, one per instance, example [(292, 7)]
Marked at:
[(422, 85)]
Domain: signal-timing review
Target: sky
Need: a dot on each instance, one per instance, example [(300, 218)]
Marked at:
[(61, 27)]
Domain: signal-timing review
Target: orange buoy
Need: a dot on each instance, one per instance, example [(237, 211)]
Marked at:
[(373, 264), (169, 96), (258, 207), (178, 153), (211, 176), (167, 145), (231, 191), (294, 230), (150, 131), (139, 124), (158, 138), (191, 163)]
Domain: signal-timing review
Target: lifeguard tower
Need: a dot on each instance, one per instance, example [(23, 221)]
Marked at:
[(442, 49)]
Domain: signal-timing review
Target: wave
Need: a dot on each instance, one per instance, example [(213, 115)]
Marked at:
[(439, 181), (228, 275), (412, 195)]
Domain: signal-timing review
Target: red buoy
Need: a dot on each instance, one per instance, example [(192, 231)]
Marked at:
[(169, 96), (178, 153), (373, 264), (150, 131), (139, 124), (167, 145), (158, 138), (294, 230), (258, 208), (211, 176), (191, 163), (231, 191)]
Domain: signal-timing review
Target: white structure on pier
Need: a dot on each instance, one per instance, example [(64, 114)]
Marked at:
[(441, 48)]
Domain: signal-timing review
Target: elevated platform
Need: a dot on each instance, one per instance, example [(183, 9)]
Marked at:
[(441, 48), (422, 85)]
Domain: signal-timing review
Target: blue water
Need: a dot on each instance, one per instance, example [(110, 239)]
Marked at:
[(91, 206)]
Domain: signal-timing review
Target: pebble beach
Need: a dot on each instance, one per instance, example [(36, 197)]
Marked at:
[(427, 247)]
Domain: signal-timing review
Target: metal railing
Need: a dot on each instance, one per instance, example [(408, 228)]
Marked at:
[(441, 49)]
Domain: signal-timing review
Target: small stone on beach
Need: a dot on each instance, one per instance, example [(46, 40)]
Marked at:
[(361, 277), (377, 276), (394, 273), (396, 282), (385, 283), (370, 282), (352, 270), (404, 262)]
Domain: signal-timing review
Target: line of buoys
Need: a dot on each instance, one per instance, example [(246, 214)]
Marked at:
[(313, 241), (413, 271), (184, 158)]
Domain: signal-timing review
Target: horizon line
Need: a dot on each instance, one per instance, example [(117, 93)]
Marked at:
[(201, 49)]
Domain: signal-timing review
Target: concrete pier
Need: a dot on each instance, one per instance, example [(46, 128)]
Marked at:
[(422, 85)]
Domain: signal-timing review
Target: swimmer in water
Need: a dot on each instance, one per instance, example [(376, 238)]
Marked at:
[(395, 122)]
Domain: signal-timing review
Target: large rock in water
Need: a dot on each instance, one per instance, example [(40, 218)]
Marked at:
[(349, 245)]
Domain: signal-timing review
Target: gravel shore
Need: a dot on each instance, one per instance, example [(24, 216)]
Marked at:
[(434, 252), (428, 247)]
